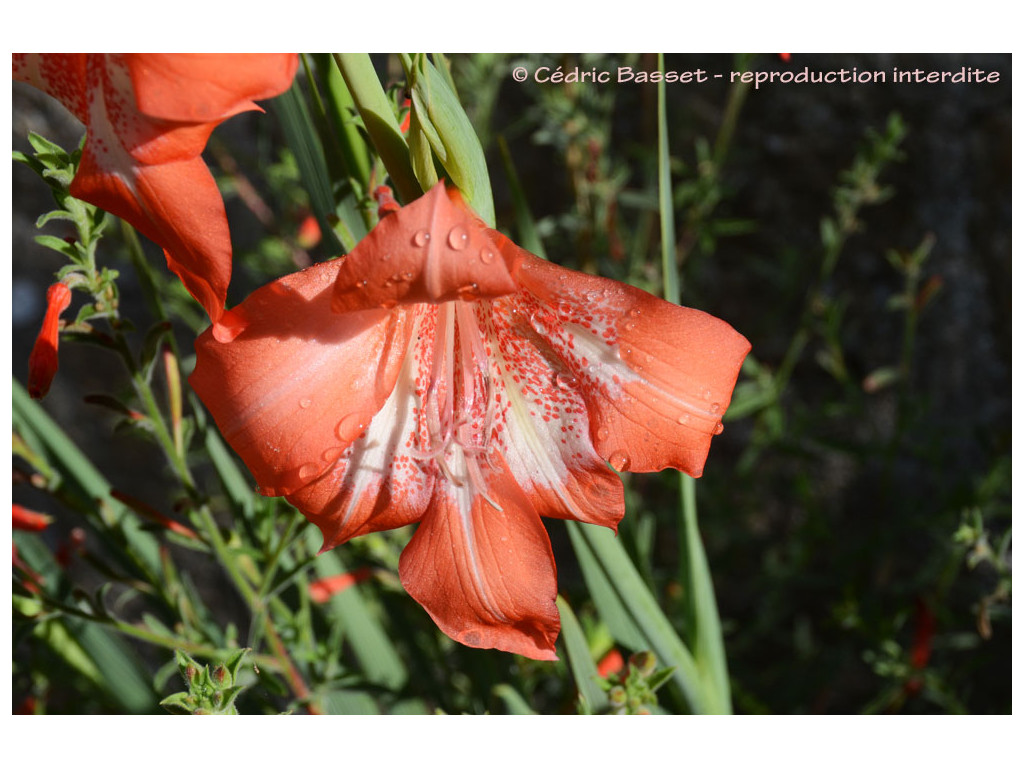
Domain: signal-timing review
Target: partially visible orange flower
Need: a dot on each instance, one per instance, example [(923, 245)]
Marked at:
[(309, 234), (439, 374), (26, 520), (407, 106), (148, 117), (321, 590), (611, 663)]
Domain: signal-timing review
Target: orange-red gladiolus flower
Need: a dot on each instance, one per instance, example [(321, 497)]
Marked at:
[(148, 117), (441, 375), (42, 361)]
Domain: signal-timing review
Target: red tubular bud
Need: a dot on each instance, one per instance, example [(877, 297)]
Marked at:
[(42, 363), (27, 520)]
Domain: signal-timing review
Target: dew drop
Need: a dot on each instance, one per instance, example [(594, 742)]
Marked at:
[(602, 433), (307, 471), (458, 239), (719, 428), (468, 291), (421, 238), (684, 418), (486, 256), (350, 427), (619, 461), (305, 402), (715, 407), (564, 381), (331, 455)]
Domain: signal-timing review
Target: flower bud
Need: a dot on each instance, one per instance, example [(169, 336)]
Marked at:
[(42, 363), (644, 661)]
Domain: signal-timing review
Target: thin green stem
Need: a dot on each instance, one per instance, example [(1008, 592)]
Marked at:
[(703, 626), (163, 435), (224, 555), (669, 268), (285, 539)]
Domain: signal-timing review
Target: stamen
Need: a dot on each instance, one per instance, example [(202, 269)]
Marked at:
[(458, 435)]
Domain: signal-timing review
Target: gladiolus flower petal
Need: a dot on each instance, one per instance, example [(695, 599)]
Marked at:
[(656, 377), (435, 252), (42, 361), (485, 573), (299, 370), (220, 84)]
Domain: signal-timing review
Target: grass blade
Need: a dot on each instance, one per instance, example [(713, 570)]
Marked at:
[(582, 666)]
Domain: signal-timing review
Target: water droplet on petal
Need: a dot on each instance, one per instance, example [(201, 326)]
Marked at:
[(331, 455), (350, 427), (564, 381), (715, 407), (468, 291), (619, 461), (421, 238), (719, 428), (458, 239), (307, 471), (602, 433), (305, 402), (486, 256), (684, 418)]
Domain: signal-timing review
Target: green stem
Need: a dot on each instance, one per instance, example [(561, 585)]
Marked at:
[(163, 435), (379, 120)]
